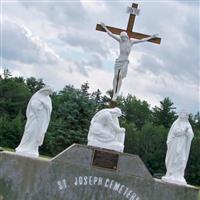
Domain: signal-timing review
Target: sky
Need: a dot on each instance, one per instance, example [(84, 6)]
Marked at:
[(57, 41)]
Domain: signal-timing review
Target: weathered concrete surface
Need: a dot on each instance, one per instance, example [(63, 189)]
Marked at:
[(71, 176)]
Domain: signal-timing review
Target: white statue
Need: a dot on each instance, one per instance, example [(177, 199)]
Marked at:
[(105, 131), (121, 63), (38, 115), (178, 148)]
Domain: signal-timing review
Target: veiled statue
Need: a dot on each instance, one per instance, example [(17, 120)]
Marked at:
[(38, 115), (178, 149)]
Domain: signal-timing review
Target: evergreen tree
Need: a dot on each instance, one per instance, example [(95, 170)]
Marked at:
[(14, 96), (136, 111), (165, 115), (195, 121), (34, 85), (73, 109)]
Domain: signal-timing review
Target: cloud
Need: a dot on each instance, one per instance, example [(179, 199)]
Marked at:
[(62, 13), (178, 53), (58, 41), (84, 41), (94, 7), (19, 44), (85, 65), (153, 89)]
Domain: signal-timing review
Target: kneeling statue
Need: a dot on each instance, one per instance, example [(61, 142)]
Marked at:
[(105, 131)]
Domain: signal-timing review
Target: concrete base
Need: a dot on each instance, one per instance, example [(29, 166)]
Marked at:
[(26, 154), (113, 146), (72, 176), (175, 181)]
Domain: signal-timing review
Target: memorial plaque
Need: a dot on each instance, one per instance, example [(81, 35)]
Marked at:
[(105, 159)]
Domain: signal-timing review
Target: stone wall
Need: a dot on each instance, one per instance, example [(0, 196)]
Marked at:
[(72, 175)]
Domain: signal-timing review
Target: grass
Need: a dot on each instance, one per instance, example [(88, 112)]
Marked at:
[(13, 150), (8, 149)]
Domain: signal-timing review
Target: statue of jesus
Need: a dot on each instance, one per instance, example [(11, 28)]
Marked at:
[(121, 63)]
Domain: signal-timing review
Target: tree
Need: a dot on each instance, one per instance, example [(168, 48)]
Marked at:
[(192, 172), (14, 96), (71, 116), (149, 143), (73, 109), (165, 115), (136, 111), (84, 89), (195, 121), (11, 130), (6, 74), (34, 85)]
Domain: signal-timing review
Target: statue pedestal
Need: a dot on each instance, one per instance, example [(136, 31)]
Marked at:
[(116, 146), (23, 153), (181, 181)]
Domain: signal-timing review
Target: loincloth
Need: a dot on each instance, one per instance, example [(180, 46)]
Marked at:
[(121, 65)]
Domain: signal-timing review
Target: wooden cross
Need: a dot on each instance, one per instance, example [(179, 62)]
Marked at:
[(129, 28)]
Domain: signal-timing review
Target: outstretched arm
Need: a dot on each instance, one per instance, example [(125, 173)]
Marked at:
[(144, 39), (109, 33)]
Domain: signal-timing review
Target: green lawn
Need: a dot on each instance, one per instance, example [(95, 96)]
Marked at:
[(13, 150)]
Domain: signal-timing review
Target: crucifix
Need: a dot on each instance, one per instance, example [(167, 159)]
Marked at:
[(126, 42), (133, 12)]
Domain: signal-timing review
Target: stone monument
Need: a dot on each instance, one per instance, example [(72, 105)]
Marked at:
[(84, 173), (38, 115), (178, 148)]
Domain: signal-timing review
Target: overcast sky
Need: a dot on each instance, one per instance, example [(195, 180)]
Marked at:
[(57, 41)]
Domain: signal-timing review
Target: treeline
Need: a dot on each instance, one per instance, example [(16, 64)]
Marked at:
[(146, 129)]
